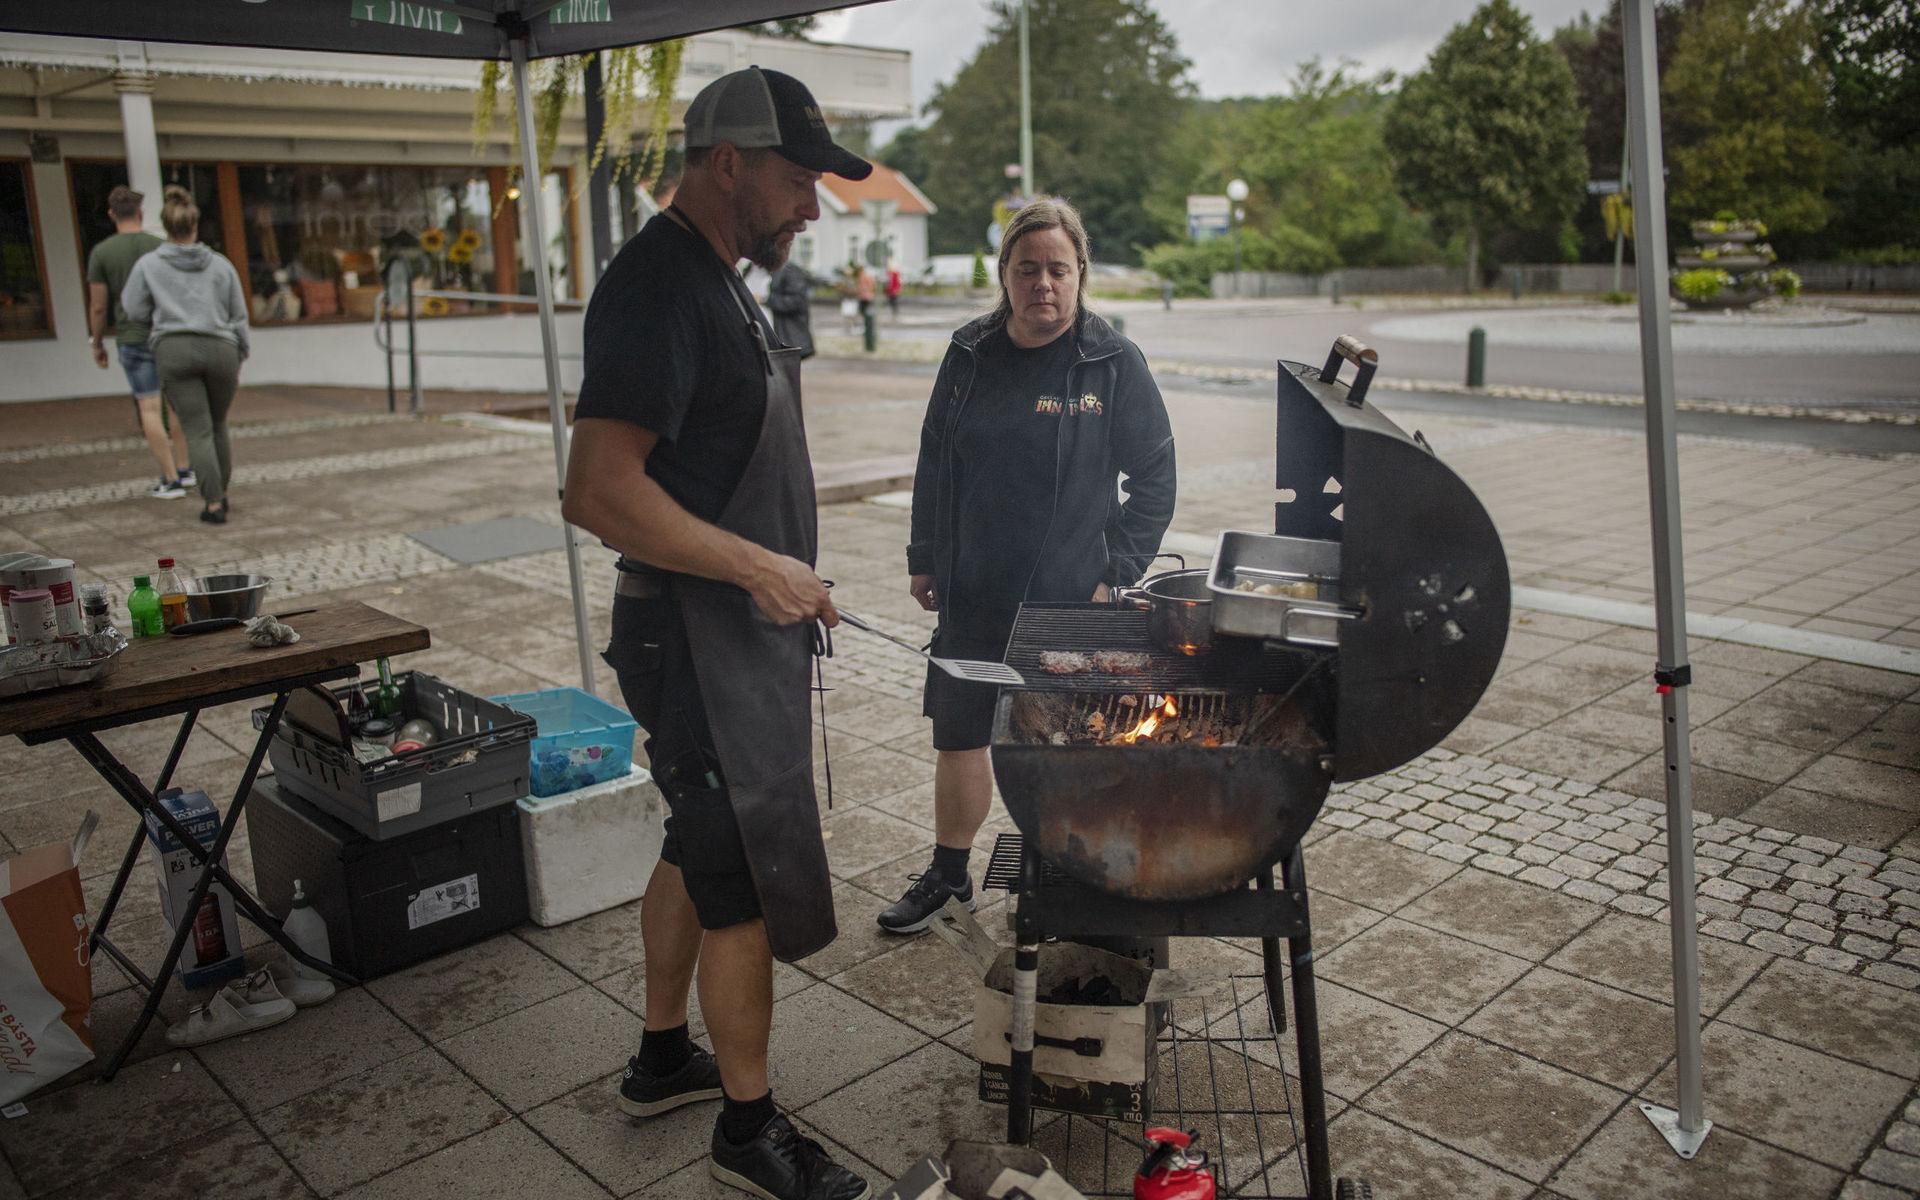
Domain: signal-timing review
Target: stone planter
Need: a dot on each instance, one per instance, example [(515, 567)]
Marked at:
[(1704, 233)]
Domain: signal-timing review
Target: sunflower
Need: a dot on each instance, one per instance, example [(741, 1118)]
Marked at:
[(432, 240), (460, 255), (469, 239), (434, 306)]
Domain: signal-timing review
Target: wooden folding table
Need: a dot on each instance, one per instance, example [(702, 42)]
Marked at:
[(180, 676)]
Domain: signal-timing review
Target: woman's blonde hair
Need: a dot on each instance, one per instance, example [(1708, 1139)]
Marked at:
[(179, 215), (1031, 217)]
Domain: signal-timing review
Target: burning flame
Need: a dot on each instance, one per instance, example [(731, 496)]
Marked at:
[(1149, 723)]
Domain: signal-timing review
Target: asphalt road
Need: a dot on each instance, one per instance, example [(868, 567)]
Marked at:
[(1857, 361)]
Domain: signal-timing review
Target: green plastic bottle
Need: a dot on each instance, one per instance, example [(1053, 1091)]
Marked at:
[(386, 698), (143, 605)]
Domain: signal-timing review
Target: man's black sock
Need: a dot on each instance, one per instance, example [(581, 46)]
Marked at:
[(664, 1051), (951, 865), (742, 1120)]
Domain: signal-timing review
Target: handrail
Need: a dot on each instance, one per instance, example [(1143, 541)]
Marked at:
[(384, 315)]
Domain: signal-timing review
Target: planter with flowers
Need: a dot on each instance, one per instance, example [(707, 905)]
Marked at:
[(1729, 266)]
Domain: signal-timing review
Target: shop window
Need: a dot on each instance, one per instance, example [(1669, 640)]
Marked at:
[(23, 278), (803, 250), (92, 181)]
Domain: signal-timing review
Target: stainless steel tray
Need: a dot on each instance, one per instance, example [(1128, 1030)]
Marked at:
[(1305, 566), (66, 673)]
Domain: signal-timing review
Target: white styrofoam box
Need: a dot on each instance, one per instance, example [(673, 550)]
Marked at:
[(591, 849)]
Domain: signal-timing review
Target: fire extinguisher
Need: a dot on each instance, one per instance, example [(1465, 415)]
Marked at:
[(1173, 1170)]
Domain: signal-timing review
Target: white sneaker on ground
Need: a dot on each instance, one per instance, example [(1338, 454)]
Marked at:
[(305, 992), (167, 490), (240, 1007)]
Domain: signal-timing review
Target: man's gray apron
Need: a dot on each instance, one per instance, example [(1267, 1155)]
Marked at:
[(755, 675)]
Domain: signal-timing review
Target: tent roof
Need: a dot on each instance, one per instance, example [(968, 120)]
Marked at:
[(420, 28)]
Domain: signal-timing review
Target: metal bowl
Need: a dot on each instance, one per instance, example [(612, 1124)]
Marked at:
[(227, 596)]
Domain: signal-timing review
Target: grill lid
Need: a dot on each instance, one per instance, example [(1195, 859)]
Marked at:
[(1417, 553)]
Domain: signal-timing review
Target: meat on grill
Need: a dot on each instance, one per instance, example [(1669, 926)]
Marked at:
[(1121, 662), (1065, 662)]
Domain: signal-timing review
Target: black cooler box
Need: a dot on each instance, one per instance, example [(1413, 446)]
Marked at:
[(389, 903)]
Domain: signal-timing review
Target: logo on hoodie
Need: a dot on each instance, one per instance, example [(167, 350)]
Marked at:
[(1053, 406)]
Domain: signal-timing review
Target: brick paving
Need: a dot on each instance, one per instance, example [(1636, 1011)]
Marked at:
[(1489, 918)]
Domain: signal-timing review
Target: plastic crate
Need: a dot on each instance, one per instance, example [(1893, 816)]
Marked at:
[(479, 761), (581, 740)]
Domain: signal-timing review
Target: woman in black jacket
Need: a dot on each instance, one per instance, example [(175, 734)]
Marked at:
[(1038, 410)]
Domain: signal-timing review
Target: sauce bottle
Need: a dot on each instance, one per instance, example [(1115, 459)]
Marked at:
[(172, 587)]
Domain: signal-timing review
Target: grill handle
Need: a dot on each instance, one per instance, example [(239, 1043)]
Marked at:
[(1365, 359)]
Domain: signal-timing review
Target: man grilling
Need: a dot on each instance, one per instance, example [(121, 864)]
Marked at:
[(690, 458)]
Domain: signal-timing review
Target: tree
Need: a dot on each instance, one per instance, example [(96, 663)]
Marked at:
[(1872, 50), (1595, 52), (1745, 105), (1109, 90), (907, 153), (788, 27), (1488, 133)]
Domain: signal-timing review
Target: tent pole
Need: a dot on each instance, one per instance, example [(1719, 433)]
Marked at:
[(1687, 1128), (530, 188)]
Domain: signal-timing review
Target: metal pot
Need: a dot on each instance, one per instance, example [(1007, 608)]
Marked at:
[(1179, 610), (226, 596)]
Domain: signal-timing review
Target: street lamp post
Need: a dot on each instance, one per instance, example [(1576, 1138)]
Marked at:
[(1236, 192), (1026, 109)]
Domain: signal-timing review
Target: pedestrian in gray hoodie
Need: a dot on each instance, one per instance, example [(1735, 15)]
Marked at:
[(191, 297)]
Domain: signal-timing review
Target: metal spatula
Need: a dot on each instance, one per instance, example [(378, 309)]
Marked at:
[(973, 670)]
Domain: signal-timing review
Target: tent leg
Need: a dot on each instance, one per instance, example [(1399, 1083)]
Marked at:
[(1686, 1128), (530, 187)]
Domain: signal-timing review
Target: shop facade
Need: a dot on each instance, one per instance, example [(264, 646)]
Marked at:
[(304, 167)]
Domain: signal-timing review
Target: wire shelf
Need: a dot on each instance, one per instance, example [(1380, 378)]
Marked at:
[(1223, 1075)]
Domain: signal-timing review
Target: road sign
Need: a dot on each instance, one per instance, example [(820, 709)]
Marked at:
[(1208, 217), (1603, 187)]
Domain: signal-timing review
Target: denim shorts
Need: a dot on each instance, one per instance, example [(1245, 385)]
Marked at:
[(142, 375)]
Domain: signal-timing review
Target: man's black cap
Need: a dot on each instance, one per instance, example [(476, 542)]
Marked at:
[(758, 108)]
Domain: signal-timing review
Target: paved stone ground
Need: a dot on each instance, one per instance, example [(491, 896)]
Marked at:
[(1495, 989)]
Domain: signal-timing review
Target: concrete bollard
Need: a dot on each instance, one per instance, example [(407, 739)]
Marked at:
[(1513, 277), (870, 333), (1335, 296), (1476, 357)]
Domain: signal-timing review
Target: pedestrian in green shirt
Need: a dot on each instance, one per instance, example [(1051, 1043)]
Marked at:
[(107, 269)]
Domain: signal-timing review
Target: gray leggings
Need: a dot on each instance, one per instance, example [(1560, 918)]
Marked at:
[(199, 374)]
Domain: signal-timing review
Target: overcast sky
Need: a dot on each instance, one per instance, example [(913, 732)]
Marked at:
[(1237, 47)]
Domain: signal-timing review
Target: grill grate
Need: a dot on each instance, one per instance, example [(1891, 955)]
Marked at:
[(1086, 628)]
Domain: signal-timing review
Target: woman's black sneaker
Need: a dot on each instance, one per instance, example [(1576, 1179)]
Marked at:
[(644, 1095), (929, 894), (781, 1164)]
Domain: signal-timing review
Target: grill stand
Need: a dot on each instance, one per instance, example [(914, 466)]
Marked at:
[(1048, 905)]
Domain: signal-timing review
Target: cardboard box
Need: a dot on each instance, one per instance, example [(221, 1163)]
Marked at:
[(212, 951), (1092, 1059), (982, 1171)]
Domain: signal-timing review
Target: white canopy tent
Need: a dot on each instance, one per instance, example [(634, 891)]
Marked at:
[(518, 30)]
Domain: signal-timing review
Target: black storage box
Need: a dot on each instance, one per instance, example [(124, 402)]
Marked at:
[(389, 903)]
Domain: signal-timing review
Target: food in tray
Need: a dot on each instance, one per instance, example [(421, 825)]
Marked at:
[(1121, 662), (1065, 662), (1293, 589)]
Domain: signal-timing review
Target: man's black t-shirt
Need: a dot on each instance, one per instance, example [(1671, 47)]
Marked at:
[(1005, 452), (668, 349)]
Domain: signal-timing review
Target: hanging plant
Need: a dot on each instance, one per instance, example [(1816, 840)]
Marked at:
[(629, 75)]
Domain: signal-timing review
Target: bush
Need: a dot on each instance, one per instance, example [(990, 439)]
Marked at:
[(1191, 266), (1885, 256), (1617, 298), (1785, 283), (980, 277), (1701, 285)]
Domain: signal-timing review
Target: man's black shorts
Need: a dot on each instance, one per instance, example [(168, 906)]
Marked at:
[(649, 654), (962, 712)]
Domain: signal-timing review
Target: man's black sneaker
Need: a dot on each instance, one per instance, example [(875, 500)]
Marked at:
[(781, 1164), (644, 1095), (929, 894)]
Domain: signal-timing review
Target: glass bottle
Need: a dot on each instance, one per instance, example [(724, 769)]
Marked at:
[(172, 586), (386, 699), (143, 607)]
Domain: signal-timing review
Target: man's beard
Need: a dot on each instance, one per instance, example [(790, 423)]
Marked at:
[(769, 252)]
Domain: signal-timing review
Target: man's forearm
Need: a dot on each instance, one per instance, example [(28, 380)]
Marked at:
[(97, 321)]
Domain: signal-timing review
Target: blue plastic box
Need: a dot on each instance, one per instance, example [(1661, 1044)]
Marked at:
[(580, 740)]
